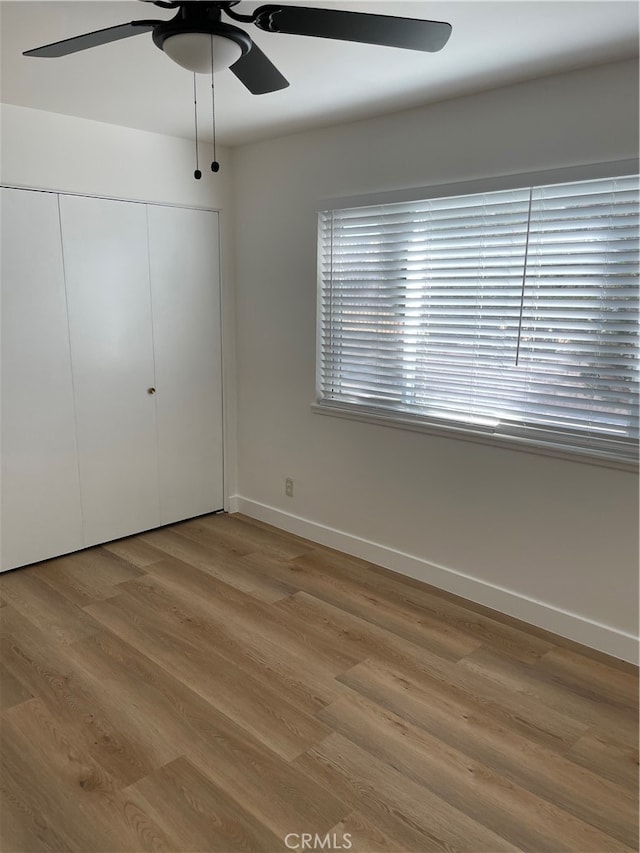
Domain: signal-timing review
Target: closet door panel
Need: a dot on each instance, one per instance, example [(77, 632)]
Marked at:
[(107, 273), (40, 491), (185, 287)]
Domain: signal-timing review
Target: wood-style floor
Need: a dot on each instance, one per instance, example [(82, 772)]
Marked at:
[(218, 686)]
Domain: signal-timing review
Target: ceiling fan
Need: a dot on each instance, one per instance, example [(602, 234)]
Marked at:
[(197, 39)]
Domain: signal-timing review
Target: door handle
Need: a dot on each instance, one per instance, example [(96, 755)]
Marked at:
[(151, 390)]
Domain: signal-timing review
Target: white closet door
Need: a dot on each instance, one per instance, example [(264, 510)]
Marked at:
[(107, 274), (185, 287), (40, 490)]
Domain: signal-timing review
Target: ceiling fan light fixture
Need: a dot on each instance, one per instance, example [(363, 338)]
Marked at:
[(193, 51), (197, 31)]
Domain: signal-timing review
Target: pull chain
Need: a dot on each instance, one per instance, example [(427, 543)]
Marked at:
[(197, 174), (215, 166)]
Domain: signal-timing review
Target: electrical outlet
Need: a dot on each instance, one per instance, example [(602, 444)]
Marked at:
[(288, 487)]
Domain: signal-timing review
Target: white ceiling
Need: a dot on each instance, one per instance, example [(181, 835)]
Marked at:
[(132, 83)]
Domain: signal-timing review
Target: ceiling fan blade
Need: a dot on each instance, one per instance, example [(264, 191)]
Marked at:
[(87, 40), (258, 73), (385, 30)]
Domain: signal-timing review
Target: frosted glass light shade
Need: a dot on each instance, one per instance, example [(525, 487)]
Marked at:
[(193, 51)]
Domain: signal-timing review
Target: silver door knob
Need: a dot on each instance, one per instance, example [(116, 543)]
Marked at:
[(151, 390)]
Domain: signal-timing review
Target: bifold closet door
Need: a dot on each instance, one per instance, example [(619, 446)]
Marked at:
[(185, 289), (107, 275), (40, 489)]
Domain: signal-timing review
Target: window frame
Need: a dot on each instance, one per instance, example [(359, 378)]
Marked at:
[(444, 427)]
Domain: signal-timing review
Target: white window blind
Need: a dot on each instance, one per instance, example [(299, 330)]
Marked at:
[(512, 313)]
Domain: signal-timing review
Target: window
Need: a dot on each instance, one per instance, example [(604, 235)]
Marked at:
[(510, 314)]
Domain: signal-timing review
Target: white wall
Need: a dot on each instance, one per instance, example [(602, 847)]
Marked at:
[(551, 541), (57, 152)]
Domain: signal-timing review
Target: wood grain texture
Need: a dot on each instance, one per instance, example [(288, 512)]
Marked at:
[(218, 685)]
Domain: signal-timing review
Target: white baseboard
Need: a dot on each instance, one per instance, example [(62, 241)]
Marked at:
[(604, 638)]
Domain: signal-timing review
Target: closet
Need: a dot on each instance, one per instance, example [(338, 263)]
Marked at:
[(111, 370)]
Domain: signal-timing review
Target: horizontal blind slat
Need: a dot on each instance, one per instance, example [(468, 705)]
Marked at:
[(422, 311)]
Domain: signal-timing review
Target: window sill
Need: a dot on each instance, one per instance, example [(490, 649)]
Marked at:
[(478, 436)]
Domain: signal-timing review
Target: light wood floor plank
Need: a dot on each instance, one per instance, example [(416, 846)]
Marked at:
[(246, 533), (273, 791), (600, 713), (115, 821), (223, 564), (589, 797), (47, 670), (589, 678), (218, 685), (522, 818), (290, 632), (86, 576), (260, 708), (48, 812), (13, 691), (186, 803), (402, 808), (600, 752), (377, 606), (428, 604), (363, 836), (438, 675), (308, 574), (134, 551), (44, 607), (309, 684)]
